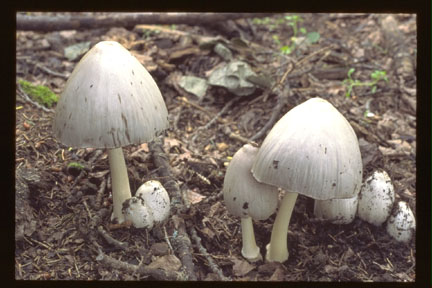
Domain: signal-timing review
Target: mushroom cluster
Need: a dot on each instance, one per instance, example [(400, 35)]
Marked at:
[(312, 150), (110, 101)]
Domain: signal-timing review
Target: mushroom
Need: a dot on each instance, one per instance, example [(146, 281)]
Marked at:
[(401, 224), (150, 205), (376, 198), (110, 101), (246, 198), (338, 211), (312, 150)]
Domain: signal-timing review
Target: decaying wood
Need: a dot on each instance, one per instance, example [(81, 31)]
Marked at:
[(182, 244), (83, 22), (157, 274)]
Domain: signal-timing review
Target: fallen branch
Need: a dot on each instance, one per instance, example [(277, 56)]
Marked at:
[(181, 242), (158, 274), (213, 266), (282, 95), (77, 21)]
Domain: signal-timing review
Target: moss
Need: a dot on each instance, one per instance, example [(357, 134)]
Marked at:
[(39, 93)]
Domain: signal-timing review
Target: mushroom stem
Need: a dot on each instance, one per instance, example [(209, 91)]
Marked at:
[(120, 182), (250, 250), (277, 249)]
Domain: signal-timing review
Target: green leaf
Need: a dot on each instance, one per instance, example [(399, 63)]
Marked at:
[(373, 90), (313, 37), (303, 30), (286, 49), (350, 72)]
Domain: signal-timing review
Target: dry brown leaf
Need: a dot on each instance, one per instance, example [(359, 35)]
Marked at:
[(241, 267), (278, 275), (167, 263), (194, 197)]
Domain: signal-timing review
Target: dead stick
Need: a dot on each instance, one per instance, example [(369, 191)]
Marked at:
[(212, 264), (158, 274), (78, 21), (282, 96), (181, 242)]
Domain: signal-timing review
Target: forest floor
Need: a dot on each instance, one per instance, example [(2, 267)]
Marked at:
[(63, 222)]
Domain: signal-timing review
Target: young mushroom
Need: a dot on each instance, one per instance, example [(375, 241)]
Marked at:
[(110, 101), (312, 150), (401, 224), (376, 198), (338, 211), (246, 198), (149, 206)]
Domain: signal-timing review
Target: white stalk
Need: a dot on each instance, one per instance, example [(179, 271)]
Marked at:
[(277, 249), (119, 181), (250, 250)]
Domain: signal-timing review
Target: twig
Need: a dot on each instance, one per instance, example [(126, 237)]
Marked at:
[(213, 266), (158, 274), (182, 243), (167, 239), (99, 194), (215, 118), (29, 100), (111, 240), (212, 198), (49, 71), (282, 96)]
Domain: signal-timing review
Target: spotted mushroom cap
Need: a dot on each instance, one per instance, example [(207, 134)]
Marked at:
[(376, 198), (109, 101), (156, 198), (135, 210), (401, 224), (312, 150), (243, 195)]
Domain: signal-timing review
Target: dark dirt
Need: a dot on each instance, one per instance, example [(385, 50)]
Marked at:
[(63, 227)]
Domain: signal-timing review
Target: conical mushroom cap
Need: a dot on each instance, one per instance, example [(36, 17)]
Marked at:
[(243, 195), (109, 101), (312, 150)]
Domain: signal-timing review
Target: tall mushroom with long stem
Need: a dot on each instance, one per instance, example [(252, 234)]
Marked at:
[(312, 150), (110, 101), (248, 199)]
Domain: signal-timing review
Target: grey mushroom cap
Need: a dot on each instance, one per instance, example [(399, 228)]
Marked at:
[(109, 101), (312, 150), (243, 195)]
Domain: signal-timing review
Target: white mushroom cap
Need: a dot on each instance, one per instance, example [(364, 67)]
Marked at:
[(401, 224), (376, 198), (156, 198), (109, 101), (312, 150), (135, 210), (339, 211), (243, 195)]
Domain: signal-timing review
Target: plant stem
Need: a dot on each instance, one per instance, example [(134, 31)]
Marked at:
[(277, 249), (250, 250), (120, 182)]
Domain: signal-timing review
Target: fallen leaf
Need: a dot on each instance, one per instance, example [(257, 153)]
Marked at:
[(241, 267), (167, 263), (278, 275), (194, 197), (222, 146)]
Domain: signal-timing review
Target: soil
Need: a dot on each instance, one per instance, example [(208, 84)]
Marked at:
[(63, 228)]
